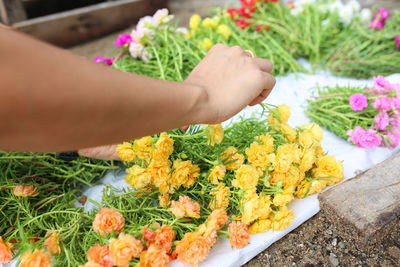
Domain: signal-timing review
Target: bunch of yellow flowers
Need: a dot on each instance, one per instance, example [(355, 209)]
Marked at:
[(254, 180), (204, 29)]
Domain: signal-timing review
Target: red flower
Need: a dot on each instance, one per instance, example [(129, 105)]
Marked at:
[(233, 12), (262, 27), (242, 23)]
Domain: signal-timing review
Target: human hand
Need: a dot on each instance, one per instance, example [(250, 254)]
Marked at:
[(230, 79), (107, 152)]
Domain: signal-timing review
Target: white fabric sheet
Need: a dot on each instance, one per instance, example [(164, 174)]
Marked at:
[(292, 90)]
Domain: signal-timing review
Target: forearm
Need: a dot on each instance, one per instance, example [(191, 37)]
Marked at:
[(51, 100)]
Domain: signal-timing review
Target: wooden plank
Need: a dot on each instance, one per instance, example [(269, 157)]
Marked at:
[(11, 11), (367, 203), (82, 24)]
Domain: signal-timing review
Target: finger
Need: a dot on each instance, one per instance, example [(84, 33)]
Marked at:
[(107, 152), (268, 83), (257, 100), (264, 64)]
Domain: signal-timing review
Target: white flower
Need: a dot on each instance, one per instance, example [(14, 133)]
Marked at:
[(136, 49), (145, 23), (354, 5), (182, 30), (346, 14), (138, 35), (365, 15), (146, 55), (161, 17)]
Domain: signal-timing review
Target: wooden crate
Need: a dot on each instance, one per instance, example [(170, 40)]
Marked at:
[(81, 24)]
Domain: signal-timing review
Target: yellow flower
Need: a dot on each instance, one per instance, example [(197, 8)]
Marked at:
[(308, 159), (126, 152), (210, 23), (143, 147), (214, 133), (259, 156), (222, 194), (330, 168), (307, 188), (224, 30), (260, 226), (246, 177), (285, 156), (268, 141), (319, 152), (282, 219), (250, 210), (137, 177), (206, 44), (306, 140), (283, 199), (216, 174), (195, 21), (159, 172), (185, 173), (264, 206), (279, 115), (289, 132), (232, 159), (315, 130), (163, 148), (289, 179)]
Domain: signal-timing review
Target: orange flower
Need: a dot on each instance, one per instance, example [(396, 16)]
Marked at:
[(52, 242), (91, 264), (148, 235), (218, 217), (25, 191), (5, 251), (193, 248), (164, 237), (108, 220), (37, 258), (231, 158), (163, 200), (185, 207), (124, 248), (154, 257), (239, 236), (100, 255)]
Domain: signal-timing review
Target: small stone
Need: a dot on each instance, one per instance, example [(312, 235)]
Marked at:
[(346, 251), (329, 232), (341, 244), (334, 242), (329, 247), (333, 259)]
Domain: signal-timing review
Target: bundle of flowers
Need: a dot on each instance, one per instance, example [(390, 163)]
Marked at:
[(187, 190), (340, 37), (366, 117)]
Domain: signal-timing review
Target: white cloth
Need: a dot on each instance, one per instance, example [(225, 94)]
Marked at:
[(292, 90)]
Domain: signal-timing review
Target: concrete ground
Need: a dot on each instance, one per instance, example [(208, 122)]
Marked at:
[(317, 242)]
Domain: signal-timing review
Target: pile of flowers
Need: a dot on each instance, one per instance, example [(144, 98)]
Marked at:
[(367, 117)]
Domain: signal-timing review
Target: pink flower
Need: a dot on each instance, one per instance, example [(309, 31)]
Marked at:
[(358, 102), (107, 61), (363, 138), (355, 135), (379, 19), (397, 39), (394, 138), (123, 39), (369, 139), (382, 83), (382, 103), (382, 121)]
